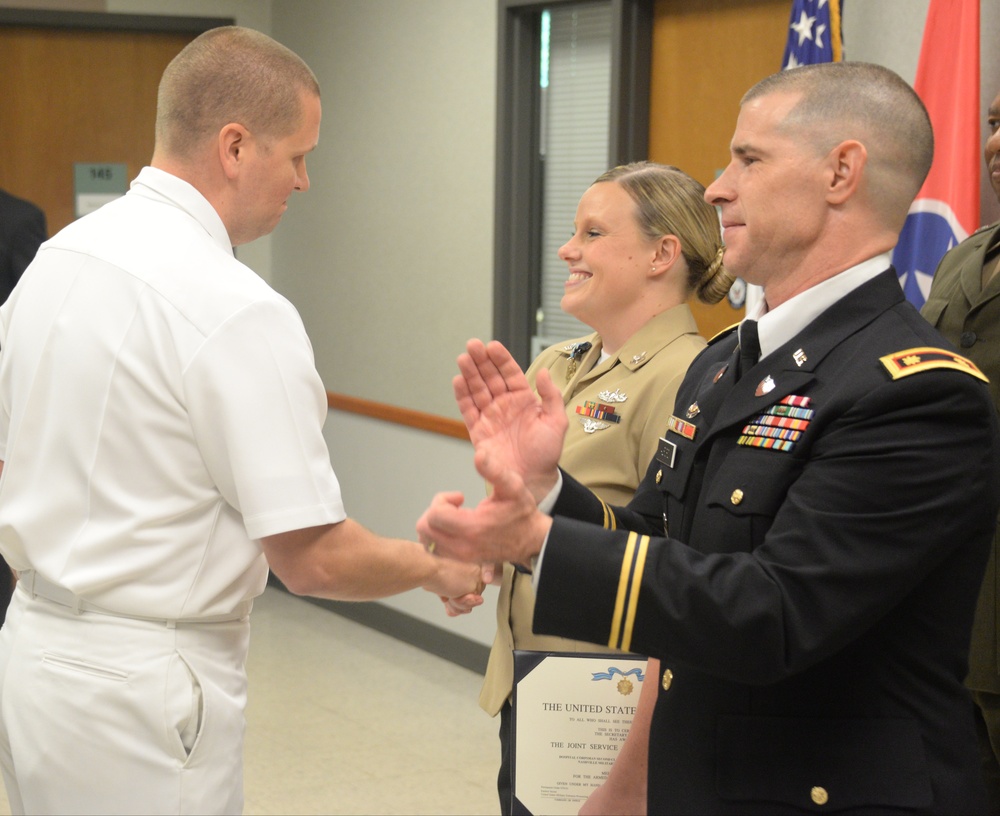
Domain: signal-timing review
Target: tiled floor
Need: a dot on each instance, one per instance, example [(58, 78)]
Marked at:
[(343, 719)]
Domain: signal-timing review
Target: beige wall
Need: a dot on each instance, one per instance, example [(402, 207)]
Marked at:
[(389, 255)]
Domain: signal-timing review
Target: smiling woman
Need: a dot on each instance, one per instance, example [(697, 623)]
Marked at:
[(626, 261), (611, 262), (644, 241)]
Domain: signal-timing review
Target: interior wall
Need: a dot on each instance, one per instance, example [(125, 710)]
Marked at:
[(389, 255)]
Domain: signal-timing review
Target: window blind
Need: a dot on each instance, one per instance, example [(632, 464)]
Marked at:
[(574, 121)]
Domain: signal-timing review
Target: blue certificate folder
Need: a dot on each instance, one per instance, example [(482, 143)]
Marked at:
[(570, 713)]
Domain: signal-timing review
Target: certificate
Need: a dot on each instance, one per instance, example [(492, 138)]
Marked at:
[(571, 713)]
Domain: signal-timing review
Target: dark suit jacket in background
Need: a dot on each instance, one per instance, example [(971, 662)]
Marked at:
[(814, 630), (969, 316), (22, 231)]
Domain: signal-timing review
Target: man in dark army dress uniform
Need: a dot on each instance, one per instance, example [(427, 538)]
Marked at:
[(804, 553), (964, 305)]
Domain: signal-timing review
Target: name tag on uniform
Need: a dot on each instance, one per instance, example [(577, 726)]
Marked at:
[(666, 452)]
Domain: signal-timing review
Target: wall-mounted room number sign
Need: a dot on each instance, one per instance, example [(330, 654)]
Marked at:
[(97, 184)]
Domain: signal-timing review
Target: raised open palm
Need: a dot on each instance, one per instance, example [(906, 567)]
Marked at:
[(509, 425)]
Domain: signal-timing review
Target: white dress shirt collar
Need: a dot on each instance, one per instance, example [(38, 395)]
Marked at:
[(777, 326), (159, 184)]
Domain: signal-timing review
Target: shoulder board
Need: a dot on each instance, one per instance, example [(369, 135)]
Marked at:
[(725, 332), (986, 228), (926, 358)]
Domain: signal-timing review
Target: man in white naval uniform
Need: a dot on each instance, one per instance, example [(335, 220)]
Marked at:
[(161, 438)]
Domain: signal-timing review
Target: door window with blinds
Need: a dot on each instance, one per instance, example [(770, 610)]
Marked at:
[(575, 106), (573, 100)]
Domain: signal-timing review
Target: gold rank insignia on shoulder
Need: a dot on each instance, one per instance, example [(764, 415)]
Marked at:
[(726, 331), (926, 358)]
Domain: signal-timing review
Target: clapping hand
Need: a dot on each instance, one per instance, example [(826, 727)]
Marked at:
[(505, 526), (508, 424)]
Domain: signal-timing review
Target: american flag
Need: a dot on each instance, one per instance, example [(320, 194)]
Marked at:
[(813, 33)]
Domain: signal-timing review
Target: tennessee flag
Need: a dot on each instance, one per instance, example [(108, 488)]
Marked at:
[(946, 209)]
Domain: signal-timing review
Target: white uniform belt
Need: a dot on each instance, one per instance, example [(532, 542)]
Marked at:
[(38, 587)]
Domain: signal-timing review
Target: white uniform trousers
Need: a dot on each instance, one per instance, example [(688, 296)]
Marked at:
[(111, 715)]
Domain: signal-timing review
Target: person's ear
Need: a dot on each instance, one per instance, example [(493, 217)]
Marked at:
[(667, 253), (847, 162), (233, 142)]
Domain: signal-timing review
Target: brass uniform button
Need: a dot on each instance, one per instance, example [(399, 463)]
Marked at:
[(668, 678), (659, 476), (819, 795), (737, 496)]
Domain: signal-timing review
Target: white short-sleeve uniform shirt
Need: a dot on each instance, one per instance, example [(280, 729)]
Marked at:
[(160, 411)]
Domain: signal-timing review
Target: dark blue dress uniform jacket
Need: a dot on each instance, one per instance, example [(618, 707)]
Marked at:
[(810, 602)]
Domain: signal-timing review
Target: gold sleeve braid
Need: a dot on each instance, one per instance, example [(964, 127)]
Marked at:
[(610, 522), (629, 584)]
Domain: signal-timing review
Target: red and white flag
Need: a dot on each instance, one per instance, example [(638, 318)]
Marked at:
[(946, 209)]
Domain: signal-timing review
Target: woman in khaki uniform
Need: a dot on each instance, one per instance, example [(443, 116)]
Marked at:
[(644, 242)]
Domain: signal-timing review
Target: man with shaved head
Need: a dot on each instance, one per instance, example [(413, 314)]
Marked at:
[(802, 559)]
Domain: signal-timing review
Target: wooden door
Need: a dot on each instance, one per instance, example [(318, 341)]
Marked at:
[(706, 54), (72, 95)]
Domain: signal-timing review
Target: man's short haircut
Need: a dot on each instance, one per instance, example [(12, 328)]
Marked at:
[(868, 103), (230, 74)]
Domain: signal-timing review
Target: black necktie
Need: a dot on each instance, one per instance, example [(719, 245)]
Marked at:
[(749, 347)]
